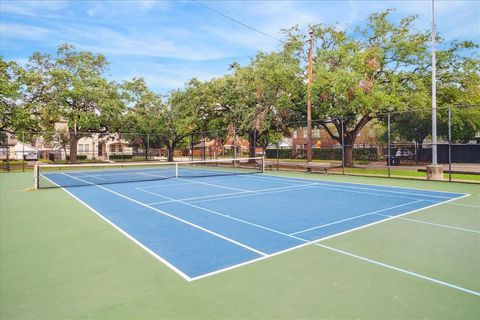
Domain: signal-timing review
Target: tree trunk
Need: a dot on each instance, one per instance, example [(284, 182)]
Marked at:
[(171, 149), (251, 143), (8, 157), (65, 152), (146, 147), (419, 151), (349, 141), (348, 156), (73, 147)]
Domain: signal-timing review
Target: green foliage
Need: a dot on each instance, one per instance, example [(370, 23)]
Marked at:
[(271, 88), (366, 154), (14, 115), (385, 66), (144, 121), (120, 157), (71, 88), (79, 157), (458, 83)]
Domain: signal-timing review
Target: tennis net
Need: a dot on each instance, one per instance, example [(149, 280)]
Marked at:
[(75, 175)]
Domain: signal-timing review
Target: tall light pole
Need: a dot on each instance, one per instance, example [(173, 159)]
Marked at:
[(434, 171), (309, 103), (434, 91)]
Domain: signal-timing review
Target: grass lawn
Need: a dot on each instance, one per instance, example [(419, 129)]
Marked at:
[(410, 173)]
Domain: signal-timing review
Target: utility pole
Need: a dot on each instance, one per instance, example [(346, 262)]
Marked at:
[(434, 91), (309, 104), (434, 171)]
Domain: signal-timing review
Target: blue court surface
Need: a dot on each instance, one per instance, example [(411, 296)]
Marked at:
[(204, 225)]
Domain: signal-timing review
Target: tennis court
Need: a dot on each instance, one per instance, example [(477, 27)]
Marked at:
[(233, 242), (208, 219)]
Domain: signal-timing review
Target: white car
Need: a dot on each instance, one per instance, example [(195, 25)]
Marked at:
[(405, 154), (30, 156)]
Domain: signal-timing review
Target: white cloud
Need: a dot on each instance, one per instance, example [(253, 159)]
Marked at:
[(162, 77), (22, 31), (168, 42), (33, 8)]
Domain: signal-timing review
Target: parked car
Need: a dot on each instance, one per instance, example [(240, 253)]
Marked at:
[(30, 156), (405, 154)]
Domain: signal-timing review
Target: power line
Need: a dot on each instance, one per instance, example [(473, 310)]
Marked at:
[(237, 21)]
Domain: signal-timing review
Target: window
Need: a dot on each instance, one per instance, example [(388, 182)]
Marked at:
[(112, 148), (83, 148)]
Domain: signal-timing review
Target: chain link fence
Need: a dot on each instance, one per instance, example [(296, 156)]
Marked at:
[(390, 145)]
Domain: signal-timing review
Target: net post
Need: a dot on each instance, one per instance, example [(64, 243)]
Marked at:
[(234, 142), (450, 144), (36, 177), (389, 146), (176, 170), (263, 164), (23, 151), (343, 148)]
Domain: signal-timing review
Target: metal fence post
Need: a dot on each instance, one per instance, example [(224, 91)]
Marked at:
[(148, 147), (343, 150), (36, 176), (234, 142), (23, 151), (8, 155), (388, 145), (204, 146), (449, 144), (278, 151), (191, 147), (254, 143)]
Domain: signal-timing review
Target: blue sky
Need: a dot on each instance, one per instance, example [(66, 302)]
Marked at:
[(169, 42)]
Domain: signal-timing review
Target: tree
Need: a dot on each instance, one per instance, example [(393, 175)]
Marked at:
[(458, 83), (143, 124), (15, 114), (74, 90), (270, 88), (188, 111), (360, 76)]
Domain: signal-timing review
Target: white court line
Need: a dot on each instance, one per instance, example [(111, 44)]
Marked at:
[(221, 214), (222, 195), (208, 184), (175, 218), (330, 248), (318, 186), (305, 244), (340, 183), (117, 173), (137, 242), (434, 224), (214, 185), (354, 217), (188, 181), (352, 255), (92, 176), (411, 273), (185, 199), (376, 189), (464, 204)]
